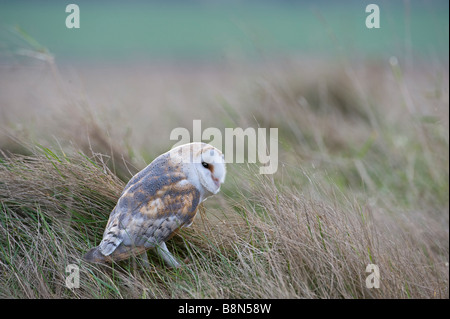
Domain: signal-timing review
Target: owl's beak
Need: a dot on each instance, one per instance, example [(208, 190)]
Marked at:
[(216, 182)]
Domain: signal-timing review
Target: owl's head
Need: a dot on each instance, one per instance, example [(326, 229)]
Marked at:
[(210, 166), (204, 165)]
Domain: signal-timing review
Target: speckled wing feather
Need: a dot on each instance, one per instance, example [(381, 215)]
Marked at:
[(154, 205)]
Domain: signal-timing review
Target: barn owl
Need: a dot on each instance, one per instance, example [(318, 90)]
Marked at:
[(158, 201)]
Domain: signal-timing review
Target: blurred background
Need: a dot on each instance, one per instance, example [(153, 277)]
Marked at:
[(144, 63), (224, 30)]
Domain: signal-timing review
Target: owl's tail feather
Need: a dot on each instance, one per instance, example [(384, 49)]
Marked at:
[(95, 256), (122, 252)]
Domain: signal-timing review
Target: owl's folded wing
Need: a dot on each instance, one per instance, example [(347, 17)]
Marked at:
[(140, 221)]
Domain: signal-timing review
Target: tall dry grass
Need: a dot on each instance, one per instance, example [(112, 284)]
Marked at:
[(363, 179)]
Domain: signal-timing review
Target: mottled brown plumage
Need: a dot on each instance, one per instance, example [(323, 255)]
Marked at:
[(159, 200)]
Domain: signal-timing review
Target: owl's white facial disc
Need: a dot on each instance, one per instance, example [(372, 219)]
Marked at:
[(210, 167), (203, 164)]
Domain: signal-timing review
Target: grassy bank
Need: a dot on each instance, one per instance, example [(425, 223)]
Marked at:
[(362, 179)]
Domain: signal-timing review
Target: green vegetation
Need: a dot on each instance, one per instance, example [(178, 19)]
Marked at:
[(143, 29)]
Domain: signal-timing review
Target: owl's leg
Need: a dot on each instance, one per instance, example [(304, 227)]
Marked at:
[(162, 250), (145, 261)]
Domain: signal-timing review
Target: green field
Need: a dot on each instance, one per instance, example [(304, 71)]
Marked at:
[(240, 29)]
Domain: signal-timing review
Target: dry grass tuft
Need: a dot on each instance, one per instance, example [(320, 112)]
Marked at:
[(363, 179)]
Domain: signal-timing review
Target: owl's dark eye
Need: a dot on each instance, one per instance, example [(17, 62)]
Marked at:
[(205, 165)]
